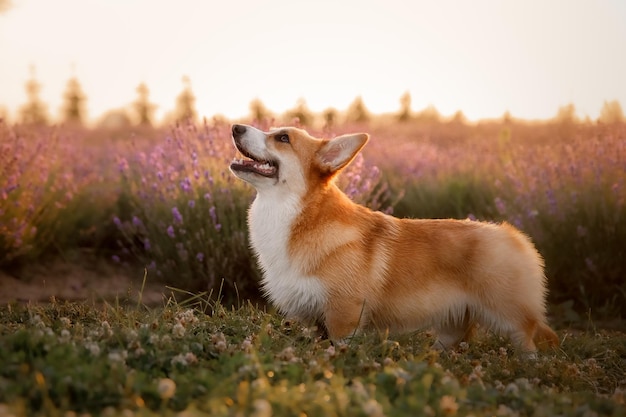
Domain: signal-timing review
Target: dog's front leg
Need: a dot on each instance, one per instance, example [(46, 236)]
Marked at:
[(343, 319)]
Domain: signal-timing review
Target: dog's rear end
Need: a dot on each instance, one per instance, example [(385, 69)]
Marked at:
[(328, 259)]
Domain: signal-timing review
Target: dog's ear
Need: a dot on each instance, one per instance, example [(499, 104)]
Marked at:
[(338, 152)]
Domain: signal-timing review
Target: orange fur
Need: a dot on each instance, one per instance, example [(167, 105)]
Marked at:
[(328, 259)]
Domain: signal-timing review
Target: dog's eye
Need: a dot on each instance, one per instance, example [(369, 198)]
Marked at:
[(282, 137)]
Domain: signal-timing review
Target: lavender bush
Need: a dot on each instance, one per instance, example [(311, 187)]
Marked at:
[(168, 202), (48, 192)]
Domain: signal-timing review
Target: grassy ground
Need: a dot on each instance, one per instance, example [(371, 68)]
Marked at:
[(196, 358)]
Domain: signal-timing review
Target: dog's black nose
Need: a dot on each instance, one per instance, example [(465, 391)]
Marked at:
[(238, 130)]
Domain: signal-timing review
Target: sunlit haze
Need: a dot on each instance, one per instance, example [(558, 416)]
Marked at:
[(481, 57)]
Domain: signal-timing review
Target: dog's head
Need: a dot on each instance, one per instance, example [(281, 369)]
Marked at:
[(290, 158)]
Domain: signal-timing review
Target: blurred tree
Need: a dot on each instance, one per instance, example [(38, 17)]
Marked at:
[(357, 112), (73, 110), (143, 108), (186, 103), (330, 117), (115, 119), (258, 111), (507, 118), (301, 113), (566, 114), (429, 115), (5, 5), (611, 113), (34, 112), (405, 107), (458, 118)]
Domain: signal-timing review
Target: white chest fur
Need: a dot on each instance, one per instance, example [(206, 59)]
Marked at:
[(295, 294)]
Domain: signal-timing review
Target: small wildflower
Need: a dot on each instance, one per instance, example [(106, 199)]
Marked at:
[(200, 256), (185, 185), (37, 321), (178, 331), (118, 357), (106, 329), (65, 335), (287, 354), (262, 408), (213, 214), (137, 222), (117, 221), (187, 317), (191, 358), (500, 205), (448, 405), (116, 259), (65, 322), (179, 359), (93, 349), (170, 231), (191, 203), (166, 388), (512, 389), (372, 408), (330, 351), (178, 218), (246, 345)]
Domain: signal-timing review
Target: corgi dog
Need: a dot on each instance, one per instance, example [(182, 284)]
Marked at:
[(329, 260)]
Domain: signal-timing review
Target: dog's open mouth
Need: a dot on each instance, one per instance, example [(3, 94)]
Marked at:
[(251, 164)]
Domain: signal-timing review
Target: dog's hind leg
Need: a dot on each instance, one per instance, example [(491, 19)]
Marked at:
[(453, 332)]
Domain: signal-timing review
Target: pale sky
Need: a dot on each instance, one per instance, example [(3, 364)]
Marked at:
[(482, 57)]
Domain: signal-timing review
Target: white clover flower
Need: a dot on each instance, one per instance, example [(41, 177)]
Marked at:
[(118, 356), (93, 349), (65, 322), (373, 408), (246, 345), (448, 405), (179, 359), (166, 388), (65, 336), (37, 321), (187, 317), (191, 358), (106, 329), (178, 331), (262, 408)]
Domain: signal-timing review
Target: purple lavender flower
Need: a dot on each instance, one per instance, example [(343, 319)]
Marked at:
[(200, 256), (146, 244), (500, 205), (117, 221), (192, 203), (207, 196), (178, 218), (213, 214), (137, 221), (185, 185), (170, 231), (115, 258)]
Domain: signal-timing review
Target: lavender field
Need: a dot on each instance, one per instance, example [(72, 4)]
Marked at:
[(165, 200)]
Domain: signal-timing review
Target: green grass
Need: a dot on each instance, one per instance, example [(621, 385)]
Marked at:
[(198, 358)]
